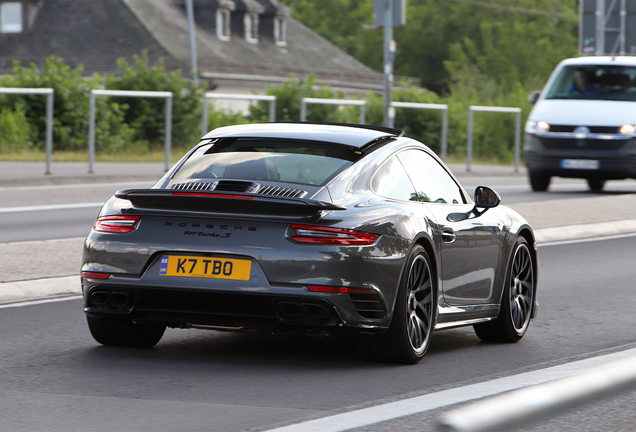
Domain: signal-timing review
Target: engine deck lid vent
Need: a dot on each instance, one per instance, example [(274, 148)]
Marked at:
[(196, 186), (281, 191), (220, 185)]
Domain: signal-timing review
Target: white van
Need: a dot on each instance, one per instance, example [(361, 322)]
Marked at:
[(583, 123)]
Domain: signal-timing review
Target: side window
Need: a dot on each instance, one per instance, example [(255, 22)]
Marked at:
[(391, 181), (432, 182)]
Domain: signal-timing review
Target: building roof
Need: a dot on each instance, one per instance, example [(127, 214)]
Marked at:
[(95, 33)]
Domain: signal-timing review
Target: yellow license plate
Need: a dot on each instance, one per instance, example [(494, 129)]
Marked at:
[(203, 267)]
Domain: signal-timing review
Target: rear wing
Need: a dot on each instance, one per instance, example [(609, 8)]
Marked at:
[(231, 203)]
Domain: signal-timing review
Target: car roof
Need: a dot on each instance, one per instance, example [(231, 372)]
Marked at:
[(601, 60), (350, 135)]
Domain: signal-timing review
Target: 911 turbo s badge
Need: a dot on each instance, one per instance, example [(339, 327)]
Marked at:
[(207, 234)]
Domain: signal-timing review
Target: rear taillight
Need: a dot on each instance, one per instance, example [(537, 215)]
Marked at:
[(328, 235), (117, 224), (339, 290), (95, 275)]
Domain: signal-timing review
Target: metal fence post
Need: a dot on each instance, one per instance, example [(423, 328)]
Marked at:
[(517, 140), (49, 115), (322, 101), (168, 136), (91, 131), (469, 144), (272, 110), (444, 143), (438, 107), (128, 93), (230, 96), (517, 144), (49, 131), (204, 120)]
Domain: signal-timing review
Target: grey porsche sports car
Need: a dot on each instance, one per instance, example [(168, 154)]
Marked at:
[(311, 228)]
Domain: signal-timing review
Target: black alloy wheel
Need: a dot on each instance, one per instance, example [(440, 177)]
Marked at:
[(409, 335), (125, 333), (517, 299), (595, 185)]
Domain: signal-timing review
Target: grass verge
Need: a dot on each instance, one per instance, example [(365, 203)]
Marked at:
[(80, 156)]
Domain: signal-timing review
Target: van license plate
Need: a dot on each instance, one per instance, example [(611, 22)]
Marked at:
[(203, 267), (585, 164)]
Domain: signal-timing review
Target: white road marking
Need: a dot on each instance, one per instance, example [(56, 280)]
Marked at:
[(37, 302), (585, 240), (50, 207), (389, 411), (76, 186)]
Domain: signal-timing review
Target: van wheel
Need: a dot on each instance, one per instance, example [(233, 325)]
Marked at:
[(539, 181), (595, 185)]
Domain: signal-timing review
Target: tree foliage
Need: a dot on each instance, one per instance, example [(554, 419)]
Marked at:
[(70, 103), (491, 52), (146, 116), (122, 124), (509, 40)]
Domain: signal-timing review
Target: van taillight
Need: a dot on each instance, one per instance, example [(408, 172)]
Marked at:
[(117, 224)]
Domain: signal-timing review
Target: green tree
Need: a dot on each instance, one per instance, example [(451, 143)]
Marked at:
[(146, 116), (70, 101), (16, 132)]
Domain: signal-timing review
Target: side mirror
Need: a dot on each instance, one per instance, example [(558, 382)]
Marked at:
[(486, 198), (534, 97)]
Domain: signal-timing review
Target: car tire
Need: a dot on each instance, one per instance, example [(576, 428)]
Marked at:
[(517, 299), (539, 181), (125, 333), (595, 185), (409, 335)]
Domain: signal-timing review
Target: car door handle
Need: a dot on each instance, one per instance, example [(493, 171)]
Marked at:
[(448, 235)]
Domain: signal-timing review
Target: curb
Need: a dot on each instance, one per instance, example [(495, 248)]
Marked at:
[(11, 292), (585, 231)]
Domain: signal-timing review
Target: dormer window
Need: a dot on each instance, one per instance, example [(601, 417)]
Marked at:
[(251, 27), (223, 24), (11, 17), (280, 31)]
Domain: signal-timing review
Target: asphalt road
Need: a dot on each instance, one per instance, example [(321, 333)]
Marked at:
[(51, 212), (54, 377)]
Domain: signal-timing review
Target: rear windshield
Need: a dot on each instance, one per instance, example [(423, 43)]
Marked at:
[(292, 161), (596, 82)]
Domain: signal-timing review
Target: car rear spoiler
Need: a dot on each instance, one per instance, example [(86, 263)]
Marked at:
[(234, 203)]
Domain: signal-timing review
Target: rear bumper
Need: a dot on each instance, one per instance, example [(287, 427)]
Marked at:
[(235, 311), (615, 162)]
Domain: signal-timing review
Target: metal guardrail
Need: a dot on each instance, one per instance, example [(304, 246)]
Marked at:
[(519, 407), (229, 96), (49, 115), (128, 93), (469, 145), (304, 101), (440, 107)]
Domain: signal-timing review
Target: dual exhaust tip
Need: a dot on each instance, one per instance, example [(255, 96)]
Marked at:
[(305, 312), (110, 299)]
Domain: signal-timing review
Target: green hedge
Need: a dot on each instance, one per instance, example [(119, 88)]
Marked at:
[(137, 124)]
